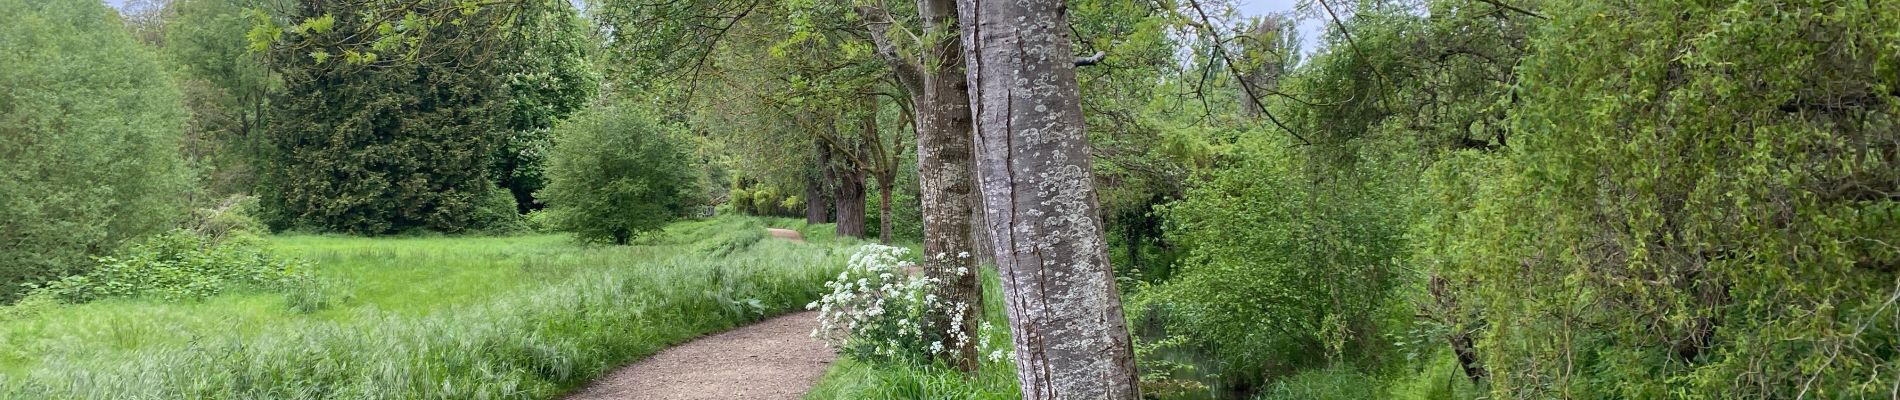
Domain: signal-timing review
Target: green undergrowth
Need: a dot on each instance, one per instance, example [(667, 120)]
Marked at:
[(995, 378), (526, 317)]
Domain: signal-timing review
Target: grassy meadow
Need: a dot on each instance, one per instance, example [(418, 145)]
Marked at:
[(525, 317)]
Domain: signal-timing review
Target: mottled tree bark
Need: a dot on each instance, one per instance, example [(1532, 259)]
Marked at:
[(848, 192), (945, 167), (1039, 195)]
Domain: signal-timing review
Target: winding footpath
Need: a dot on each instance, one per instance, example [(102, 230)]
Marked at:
[(774, 359)]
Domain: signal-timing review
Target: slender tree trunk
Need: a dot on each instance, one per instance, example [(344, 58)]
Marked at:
[(816, 206), (884, 187), (831, 182), (1032, 154), (884, 174), (946, 167)]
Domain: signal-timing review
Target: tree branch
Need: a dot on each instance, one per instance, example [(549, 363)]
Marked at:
[(1091, 60), (879, 22), (1513, 8)]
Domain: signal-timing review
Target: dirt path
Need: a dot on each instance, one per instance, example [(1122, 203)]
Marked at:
[(786, 234), (774, 359)]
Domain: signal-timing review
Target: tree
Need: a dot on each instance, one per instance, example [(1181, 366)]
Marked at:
[(90, 127), (1039, 195), (550, 76), (226, 85), (933, 76), (615, 174), (368, 145)]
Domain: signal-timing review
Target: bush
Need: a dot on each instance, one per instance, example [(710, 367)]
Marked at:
[(875, 312), (230, 218), (539, 221), (616, 174), (498, 213), (1698, 202), (89, 128), (181, 266), (742, 202)]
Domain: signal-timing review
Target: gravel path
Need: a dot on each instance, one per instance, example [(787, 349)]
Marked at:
[(774, 359), (786, 234)]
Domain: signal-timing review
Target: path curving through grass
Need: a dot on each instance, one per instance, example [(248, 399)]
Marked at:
[(772, 360)]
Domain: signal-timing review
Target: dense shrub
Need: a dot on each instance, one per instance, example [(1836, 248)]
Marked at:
[(376, 149), (615, 174), (498, 213), (89, 129), (1699, 203), (1285, 264), (181, 266)]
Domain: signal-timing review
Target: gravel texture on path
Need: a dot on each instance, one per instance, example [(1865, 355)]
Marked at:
[(774, 359)]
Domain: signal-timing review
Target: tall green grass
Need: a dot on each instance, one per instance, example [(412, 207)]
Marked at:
[(422, 318)]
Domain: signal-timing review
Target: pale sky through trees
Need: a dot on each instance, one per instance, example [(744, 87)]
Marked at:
[(1309, 29)]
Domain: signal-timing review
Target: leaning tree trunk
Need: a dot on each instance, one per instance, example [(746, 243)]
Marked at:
[(1032, 154), (945, 168)]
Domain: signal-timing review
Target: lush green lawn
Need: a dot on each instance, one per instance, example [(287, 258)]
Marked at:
[(427, 317)]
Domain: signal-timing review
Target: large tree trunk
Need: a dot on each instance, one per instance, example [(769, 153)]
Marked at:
[(945, 163), (850, 202), (1039, 194)]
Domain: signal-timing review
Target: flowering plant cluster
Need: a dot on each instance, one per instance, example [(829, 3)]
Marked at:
[(878, 312)]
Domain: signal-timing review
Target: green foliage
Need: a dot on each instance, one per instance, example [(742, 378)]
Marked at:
[(550, 77), (377, 149), (90, 127), (742, 201), (1287, 256), (1697, 203), (1325, 384), (418, 318), (179, 266), (226, 86), (498, 213), (616, 174)]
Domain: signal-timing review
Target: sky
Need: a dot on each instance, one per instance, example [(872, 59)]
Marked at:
[(1310, 28)]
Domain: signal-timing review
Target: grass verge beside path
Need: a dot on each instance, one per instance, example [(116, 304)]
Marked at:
[(423, 318)]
